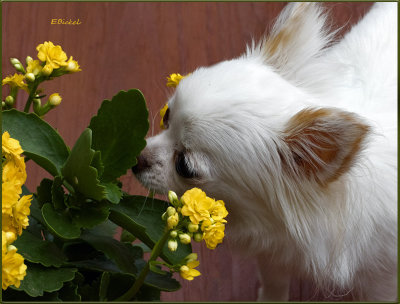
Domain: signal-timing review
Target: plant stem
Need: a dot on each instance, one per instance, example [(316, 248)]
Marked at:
[(140, 279), (31, 97)]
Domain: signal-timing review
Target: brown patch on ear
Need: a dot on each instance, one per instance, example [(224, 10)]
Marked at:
[(324, 143)]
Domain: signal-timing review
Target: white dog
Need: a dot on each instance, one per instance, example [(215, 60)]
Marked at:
[(299, 137)]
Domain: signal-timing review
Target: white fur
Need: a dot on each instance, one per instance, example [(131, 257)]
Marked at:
[(231, 119)]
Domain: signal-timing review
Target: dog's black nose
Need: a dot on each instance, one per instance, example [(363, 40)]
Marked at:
[(142, 164)]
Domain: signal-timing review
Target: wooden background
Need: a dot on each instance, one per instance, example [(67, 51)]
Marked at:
[(123, 45)]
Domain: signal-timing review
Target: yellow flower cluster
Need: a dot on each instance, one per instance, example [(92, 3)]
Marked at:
[(195, 216), (204, 210), (188, 272), (54, 58), (15, 210)]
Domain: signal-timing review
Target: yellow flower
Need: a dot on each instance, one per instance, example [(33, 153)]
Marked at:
[(14, 167), (213, 233), (196, 205), (34, 67), (72, 66), (188, 272), (15, 210), (17, 80), (174, 79), (10, 145), (13, 268), (20, 213), (162, 114), (47, 70), (52, 54), (9, 197), (218, 211), (7, 223), (14, 170)]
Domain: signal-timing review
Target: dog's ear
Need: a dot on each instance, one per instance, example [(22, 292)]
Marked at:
[(323, 143), (299, 34)]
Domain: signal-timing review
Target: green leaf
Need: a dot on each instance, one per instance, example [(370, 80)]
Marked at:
[(17, 295), (35, 209), (38, 139), (119, 283), (97, 163), (119, 130), (124, 255), (60, 222), (127, 237), (90, 214), (163, 282), (113, 192), (36, 250), (141, 216), (57, 193), (89, 290), (106, 228), (69, 292), (39, 279), (154, 267), (44, 192), (79, 173), (148, 293), (104, 283)]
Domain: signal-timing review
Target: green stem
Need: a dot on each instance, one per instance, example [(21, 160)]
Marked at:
[(31, 97), (158, 247)]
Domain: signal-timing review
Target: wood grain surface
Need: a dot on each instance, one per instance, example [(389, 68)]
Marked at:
[(122, 45)]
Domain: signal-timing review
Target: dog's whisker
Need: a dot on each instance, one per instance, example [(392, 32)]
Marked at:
[(144, 203)]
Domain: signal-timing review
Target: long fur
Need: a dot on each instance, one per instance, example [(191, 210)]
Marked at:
[(298, 137)]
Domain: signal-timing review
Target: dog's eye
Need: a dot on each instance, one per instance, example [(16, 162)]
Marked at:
[(182, 166)]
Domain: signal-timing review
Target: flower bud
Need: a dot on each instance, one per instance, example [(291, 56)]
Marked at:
[(37, 106), (3, 104), (10, 236), (28, 59), (9, 100), (47, 70), (198, 237), (184, 268), (173, 198), (172, 245), (71, 66), (193, 227), (11, 247), (173, 234), (19, 68), (172, 221), (191, 257), (185, 238), (14, 61), (164, 216), (171, 211), (55, 99), (30, 77)]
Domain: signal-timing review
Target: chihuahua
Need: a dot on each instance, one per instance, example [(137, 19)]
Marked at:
[(299, 137)]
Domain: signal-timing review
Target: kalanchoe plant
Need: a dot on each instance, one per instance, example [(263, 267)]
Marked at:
[(68, 248)]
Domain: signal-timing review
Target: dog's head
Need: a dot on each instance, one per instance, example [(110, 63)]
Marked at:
[(245, 133)]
